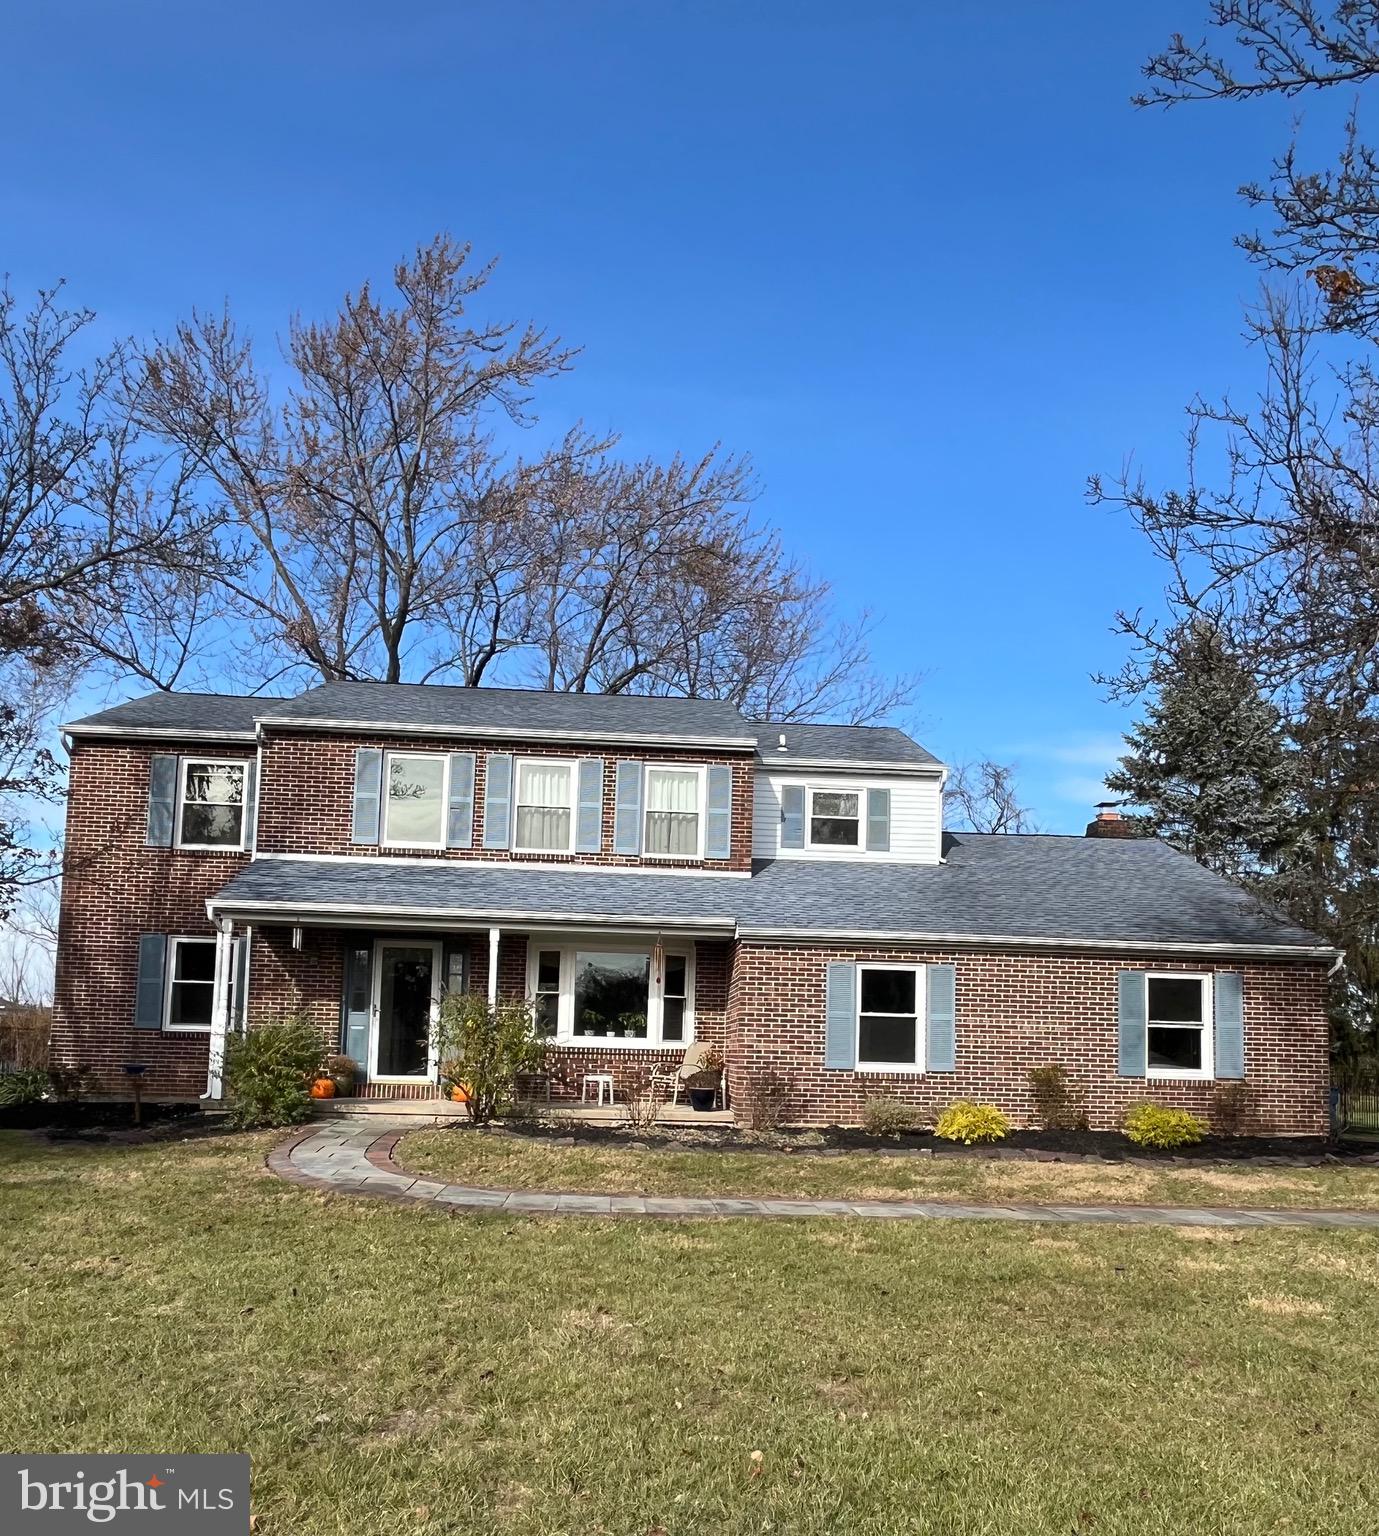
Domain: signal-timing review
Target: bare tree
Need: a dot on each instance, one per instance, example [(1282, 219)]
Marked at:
[(985, 797), (384, 529)]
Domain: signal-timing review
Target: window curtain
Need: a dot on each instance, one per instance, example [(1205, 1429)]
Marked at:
[(672, 814), (543, 806)]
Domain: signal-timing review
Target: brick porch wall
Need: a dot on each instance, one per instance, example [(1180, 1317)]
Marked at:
[(1021, 1010), (115, 888), (306, 796)]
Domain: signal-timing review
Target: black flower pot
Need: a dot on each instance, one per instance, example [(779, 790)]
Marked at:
[(702, 1098)]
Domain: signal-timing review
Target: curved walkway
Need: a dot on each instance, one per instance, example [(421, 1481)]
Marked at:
[(360, 1162)]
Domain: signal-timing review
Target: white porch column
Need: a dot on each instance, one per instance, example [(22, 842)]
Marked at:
[(220, 1008), (493, 934)]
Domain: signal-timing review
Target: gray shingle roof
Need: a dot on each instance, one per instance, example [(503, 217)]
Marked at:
[(863, 745), (225, 715), (1040, 889)]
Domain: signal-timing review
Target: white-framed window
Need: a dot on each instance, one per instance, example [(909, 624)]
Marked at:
[(210, 803), (890, 1018), (1179, 1014), (544, 806), (674, 819), (190, 985), (415, 803), (834, 818), (607, 993)]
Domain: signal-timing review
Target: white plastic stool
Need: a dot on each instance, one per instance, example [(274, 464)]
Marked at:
[(601, 1081)]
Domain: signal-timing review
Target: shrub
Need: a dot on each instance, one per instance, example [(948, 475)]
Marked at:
[(24, 1035), (889, 1117), (269, 1072), (487, 1048), (644, 1100), (768, 1098), (28, 1086), (967, 1122), (1232, 1109), (1059, 1103), (1152, 1125)]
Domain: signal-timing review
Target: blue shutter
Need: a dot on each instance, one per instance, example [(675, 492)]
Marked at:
[(498, 800), (589, 815), (1228, 995), (153, 965), (627, 809), (941, 1019), (1134, 1005), (878, 821), (840, 1034), (240, 997), (718, 815), (162, 799), (459, 821), (368, 794), (792, 816), (251, 802), (357, 1004)]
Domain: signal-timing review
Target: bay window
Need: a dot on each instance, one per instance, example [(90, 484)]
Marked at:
[(673, 820), (211, 804), (414, 811), (544, 800), (1179, 1026), (610, 994)]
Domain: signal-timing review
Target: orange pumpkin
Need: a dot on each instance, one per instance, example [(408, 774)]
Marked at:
[(460, 1094), (323, 1088)]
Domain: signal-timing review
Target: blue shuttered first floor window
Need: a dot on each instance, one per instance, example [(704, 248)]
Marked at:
[(886, 1016), (175, 986), (1180, 1024)]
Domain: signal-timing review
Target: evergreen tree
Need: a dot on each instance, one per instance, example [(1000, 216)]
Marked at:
[(1210, 765)]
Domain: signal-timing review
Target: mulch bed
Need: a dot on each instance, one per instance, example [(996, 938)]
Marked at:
[(110, 1121), (1026, 1146)]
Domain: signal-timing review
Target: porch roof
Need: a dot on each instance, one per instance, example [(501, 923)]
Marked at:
[(1005, 890)]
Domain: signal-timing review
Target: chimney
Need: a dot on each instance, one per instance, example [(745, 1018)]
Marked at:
[(1109, 822)]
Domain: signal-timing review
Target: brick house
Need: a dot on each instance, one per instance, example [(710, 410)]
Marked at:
[(648, 872)]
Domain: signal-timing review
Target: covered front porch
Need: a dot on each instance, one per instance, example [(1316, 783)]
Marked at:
[(618, 1003)]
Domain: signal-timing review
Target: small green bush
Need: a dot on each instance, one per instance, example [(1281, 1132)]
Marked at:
[(889, 1117), (1059, 1103), (486, 1049), (967, 1122), (1152, 1125), (269, 1071), (27, 1086)]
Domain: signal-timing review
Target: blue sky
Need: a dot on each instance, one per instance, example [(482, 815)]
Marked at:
[(924, 263)]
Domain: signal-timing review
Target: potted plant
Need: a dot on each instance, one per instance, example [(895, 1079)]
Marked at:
[(633, 1025), (702, 1087), (343, 1072)]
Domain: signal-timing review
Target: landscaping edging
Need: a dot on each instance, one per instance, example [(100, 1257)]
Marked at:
[(361, 1162)]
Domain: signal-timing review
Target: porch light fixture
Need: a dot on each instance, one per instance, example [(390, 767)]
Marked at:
[(296, 938)]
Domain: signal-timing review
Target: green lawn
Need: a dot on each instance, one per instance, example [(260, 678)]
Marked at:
[(396, 1369), (461, 1156)]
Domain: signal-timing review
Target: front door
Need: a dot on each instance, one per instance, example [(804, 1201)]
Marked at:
[(406, 996)]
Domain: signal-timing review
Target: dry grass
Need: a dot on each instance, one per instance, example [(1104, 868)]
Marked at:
[(461, 1155)]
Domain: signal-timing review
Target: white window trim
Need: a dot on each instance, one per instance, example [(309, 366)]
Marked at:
[(700, 771), (860, 846), (1206, 1073), (388, 757), (169, 970), (905, 1068), (183, 769), (655, 1011), (390, 941), (573, 805)]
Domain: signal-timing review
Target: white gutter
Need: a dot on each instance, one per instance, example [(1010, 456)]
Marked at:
[(156, 732), (1028, 941), (787, 762), (363, 912), (503, 733)]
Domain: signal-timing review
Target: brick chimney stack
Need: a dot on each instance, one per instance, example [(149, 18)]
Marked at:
[(1109, 822)]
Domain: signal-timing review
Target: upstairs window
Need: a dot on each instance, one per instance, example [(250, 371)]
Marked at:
[(835, 818), (1179, 1043), (414, 813), (672, 813), (545, 818), (211, 807)]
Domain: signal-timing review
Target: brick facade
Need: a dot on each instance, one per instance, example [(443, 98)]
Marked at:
[(1017, 1010), (306, 797)]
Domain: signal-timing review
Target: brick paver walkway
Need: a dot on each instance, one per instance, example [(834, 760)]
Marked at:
[(353, 1161)]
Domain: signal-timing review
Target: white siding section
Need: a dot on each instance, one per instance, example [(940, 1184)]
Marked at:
[(916, 816)]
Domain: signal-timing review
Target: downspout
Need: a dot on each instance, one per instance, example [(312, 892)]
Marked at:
[(220, 1009)]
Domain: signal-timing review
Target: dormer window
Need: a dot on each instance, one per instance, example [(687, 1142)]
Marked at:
[(835, 818), (211, 804), (545, 820), (673, 821)]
